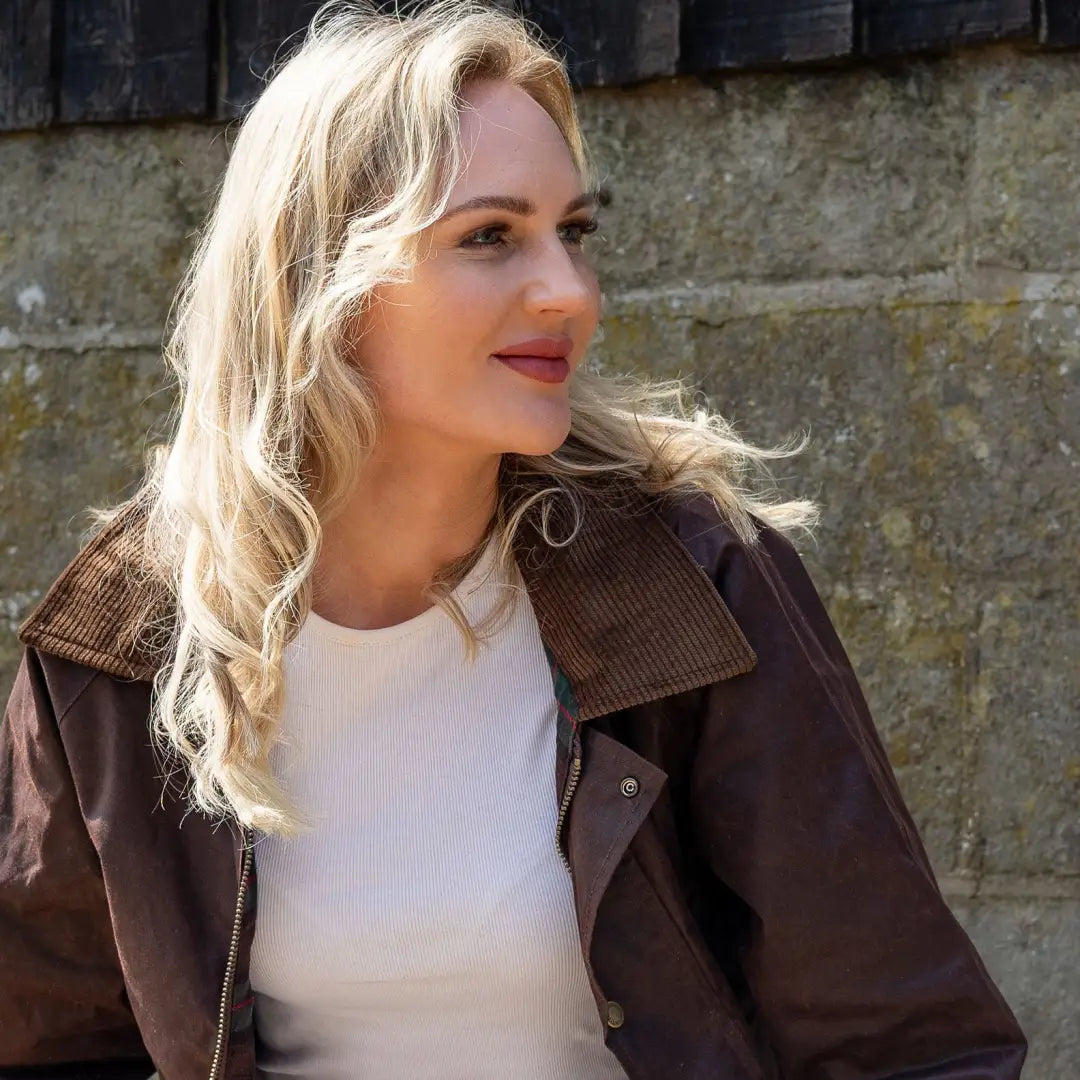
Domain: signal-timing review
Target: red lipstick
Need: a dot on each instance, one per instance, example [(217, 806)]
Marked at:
[(542, 358)]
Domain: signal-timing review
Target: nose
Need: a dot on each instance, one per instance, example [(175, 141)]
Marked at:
[(559, 281)]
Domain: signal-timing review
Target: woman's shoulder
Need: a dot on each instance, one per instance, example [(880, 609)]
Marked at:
[(762, 578), (709, 533)]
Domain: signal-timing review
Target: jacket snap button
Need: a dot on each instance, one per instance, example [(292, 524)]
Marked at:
[(629, 786), (615, 1015)]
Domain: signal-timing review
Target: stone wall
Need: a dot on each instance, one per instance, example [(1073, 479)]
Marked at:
[(888, 257)]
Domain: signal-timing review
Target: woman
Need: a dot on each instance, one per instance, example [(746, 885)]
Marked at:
[(404, 563)]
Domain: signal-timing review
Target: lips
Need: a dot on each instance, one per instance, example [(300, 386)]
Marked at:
[(547, 348), (548, 369)]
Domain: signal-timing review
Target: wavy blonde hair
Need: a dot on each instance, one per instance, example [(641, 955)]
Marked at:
[(349, 152)]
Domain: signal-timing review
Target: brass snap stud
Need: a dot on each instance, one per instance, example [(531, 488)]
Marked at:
[(629, 787), (615, 1015)]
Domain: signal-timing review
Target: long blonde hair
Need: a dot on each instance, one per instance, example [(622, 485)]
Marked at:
[(349, 152)]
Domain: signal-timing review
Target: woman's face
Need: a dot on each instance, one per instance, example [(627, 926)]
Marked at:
[(489, 278)]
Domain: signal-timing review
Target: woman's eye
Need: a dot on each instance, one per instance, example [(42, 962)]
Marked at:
[(493, 236), (487, 237), (580, 229)]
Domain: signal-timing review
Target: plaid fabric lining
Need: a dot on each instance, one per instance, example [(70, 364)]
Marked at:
[(568, 734), (567, 726)]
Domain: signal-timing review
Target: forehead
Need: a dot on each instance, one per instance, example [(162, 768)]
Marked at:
[(512, 145)]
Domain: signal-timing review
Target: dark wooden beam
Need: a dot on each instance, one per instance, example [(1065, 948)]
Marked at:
[(887, 27), (611, 42), (744, 33), (134, 59), (1059, 22), (255, 32), (101, 60), (605, 42), (26, 89)]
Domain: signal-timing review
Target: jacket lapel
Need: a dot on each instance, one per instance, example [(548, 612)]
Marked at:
[(626, 609), (103, 611)]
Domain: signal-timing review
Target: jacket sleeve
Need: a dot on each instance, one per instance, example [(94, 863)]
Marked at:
[(857, 968), (63, 1008)]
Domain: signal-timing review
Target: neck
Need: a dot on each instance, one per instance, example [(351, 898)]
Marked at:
[(406, 517)]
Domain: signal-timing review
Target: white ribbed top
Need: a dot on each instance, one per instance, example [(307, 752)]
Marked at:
[(426, 927)]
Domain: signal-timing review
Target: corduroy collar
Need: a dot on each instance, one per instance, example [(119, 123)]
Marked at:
[(625, 608)]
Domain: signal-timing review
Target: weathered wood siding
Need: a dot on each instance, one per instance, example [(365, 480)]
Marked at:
[(80, 61)]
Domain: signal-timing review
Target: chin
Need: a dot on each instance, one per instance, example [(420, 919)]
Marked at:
[(539, 441)]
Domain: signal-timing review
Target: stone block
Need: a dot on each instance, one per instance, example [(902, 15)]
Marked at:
[(96, 226), (766, 176), (1025, 187), (74, 428), (1026, 781), (1031, 949)]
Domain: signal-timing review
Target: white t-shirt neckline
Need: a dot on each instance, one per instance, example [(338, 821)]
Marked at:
[(318, 628)]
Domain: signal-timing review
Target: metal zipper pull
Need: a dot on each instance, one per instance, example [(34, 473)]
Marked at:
[(568, 793), (230, 966), (566, 735)]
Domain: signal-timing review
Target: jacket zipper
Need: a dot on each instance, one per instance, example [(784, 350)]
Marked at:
[(568, 794), (230, 966)]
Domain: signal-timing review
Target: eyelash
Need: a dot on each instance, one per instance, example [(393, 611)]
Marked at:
[(584, 227)]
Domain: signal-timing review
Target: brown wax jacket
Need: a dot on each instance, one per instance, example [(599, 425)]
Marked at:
[(754, 900)]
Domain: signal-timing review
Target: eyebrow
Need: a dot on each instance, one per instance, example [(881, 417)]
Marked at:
[(517, 204)]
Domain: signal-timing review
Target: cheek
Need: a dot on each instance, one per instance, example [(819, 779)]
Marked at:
[(447, 300), (408, 318), (467, 313), (427, 334)]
